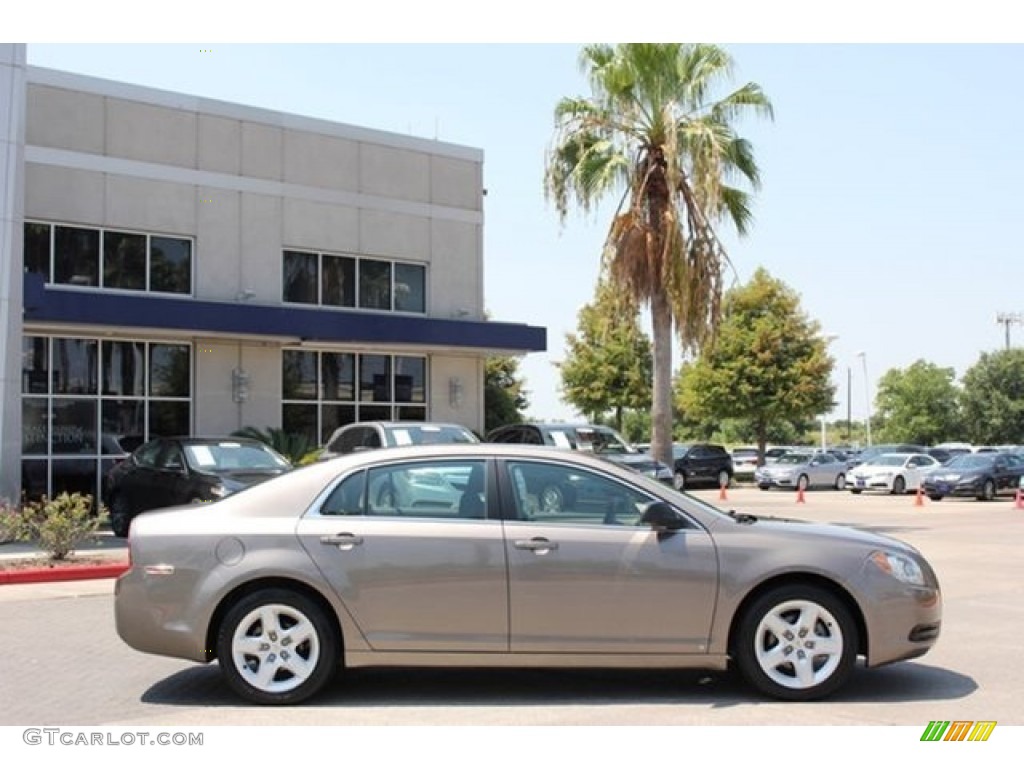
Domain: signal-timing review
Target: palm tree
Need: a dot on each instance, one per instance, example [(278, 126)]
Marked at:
[(652, 132)]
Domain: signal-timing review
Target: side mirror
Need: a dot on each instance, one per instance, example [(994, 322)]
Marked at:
[(661, 517)]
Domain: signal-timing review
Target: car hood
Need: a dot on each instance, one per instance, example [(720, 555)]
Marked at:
[(794, 542), (868, 469)]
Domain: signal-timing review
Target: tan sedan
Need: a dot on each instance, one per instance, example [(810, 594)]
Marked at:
[(444, 556)]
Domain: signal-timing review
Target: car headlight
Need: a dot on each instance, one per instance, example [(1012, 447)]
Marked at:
[(218, 491), (899, 566)]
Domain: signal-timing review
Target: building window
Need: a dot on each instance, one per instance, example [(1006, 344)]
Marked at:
[(347, 281), (102, 258), (87, 402), (326, 390)]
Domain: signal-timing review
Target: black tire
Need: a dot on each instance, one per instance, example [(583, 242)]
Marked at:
[(899, 485), (120, 516), (242, 657), (855, 491), (934, 497), (802, 482), (813, 612), (988, 490)]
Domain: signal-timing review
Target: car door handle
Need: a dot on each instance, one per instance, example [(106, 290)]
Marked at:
[(538, 545), (342, 540)]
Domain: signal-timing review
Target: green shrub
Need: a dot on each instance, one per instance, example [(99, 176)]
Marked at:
[(57, 525), (10, 522)]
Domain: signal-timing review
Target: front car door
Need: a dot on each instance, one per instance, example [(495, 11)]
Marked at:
[(588, 579), (415, 551)]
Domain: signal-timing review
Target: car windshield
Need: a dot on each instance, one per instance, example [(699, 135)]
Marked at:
[(590, 439), (429, 434), (229, 455), (890, 460), (969, 461), (745, 453), (794, 458)]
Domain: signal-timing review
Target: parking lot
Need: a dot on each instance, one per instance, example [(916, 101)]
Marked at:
[(67, 666)]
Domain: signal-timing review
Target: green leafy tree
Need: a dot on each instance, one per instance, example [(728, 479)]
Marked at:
[(608, 361), (993, 398), (504, 393), (769, 365), (919, 404), (296, 447), (653, 134)]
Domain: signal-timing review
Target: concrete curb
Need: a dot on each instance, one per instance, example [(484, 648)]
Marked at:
[(73, 573)]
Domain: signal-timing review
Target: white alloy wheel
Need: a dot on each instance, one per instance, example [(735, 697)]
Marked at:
[(797, 643), (679, 481), (276, 647)]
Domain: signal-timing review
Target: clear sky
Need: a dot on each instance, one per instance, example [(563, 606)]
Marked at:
[(891, 176)]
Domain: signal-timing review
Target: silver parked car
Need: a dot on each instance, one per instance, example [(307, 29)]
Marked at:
[(803, 470), (461, 565)]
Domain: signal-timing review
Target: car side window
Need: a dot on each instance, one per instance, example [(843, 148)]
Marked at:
[(170, 459), (552, 493), (146, 455), (348, 497), (442, 489)]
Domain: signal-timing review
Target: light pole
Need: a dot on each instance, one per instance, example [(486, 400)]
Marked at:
[(867, 392), (828, 338)]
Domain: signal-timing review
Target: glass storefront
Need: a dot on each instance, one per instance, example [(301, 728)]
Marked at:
[(87, 402), (322, 391)]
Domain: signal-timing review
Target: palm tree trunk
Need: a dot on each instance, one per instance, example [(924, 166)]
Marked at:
[(661, 405)]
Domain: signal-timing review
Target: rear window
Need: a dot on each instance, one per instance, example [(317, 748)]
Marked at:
[(429, 434)]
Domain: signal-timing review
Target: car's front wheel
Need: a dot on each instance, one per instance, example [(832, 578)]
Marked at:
[(679, 481), (796, 642), (120, 516), (277, 646), (899, 485), (988, 491)]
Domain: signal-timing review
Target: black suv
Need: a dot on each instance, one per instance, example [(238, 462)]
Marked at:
[(700, 464)]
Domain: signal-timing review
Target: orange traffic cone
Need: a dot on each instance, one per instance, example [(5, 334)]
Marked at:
[(722, 495), (919, 497), (799, 494), (1019, 502)]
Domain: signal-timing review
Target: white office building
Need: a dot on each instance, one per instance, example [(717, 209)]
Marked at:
[(171, 264)]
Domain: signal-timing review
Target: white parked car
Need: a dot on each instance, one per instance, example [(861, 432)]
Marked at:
[(744, 462), (891, 472), (803, 470)]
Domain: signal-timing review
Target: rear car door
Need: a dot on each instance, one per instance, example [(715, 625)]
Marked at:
[(416, 554), (588, 579)]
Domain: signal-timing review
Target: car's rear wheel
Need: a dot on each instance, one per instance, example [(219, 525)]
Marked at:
[(899, 485), (802, 482), (277, 646), (988, 490), (679, 481), (934, 497), (796, 642), (120, 516), (840, 481), (855, 491)]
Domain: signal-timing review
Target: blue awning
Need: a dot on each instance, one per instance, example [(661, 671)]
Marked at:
[(125, 311)]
